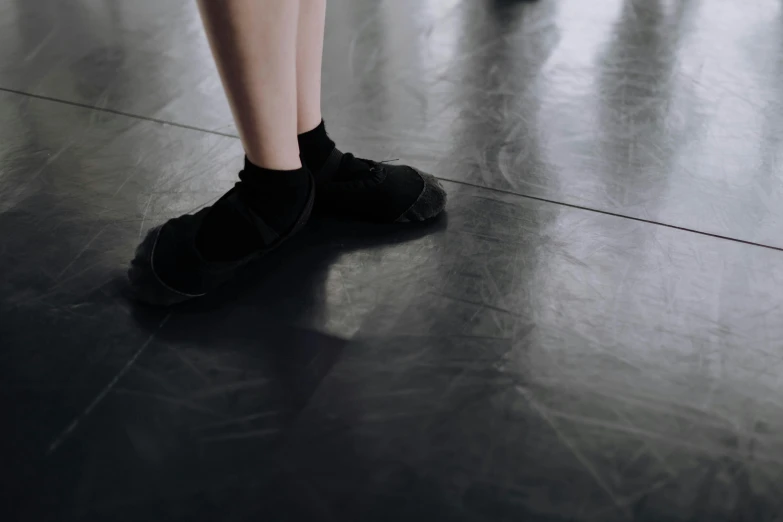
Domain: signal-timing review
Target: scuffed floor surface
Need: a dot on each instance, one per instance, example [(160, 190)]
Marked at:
[(594, 332)]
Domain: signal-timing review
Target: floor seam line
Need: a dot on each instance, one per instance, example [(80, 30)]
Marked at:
[(119, 113), (465, 183), (615, 214)]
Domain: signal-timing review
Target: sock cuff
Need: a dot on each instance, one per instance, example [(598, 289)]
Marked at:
[(315, 146), (316, 133), (255, 175)]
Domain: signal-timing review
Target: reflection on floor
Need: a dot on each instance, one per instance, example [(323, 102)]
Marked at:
[(593, 332)]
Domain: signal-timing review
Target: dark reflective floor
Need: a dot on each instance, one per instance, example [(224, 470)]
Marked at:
[(594, 332)]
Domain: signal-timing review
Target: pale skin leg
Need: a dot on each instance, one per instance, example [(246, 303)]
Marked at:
[(309, 54), (254, 43)]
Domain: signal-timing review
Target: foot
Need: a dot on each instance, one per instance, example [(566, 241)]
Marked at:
[(368, 190), (192, 255)]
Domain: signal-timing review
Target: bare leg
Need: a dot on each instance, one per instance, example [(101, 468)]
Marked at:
[(254, 44), (309, 53)]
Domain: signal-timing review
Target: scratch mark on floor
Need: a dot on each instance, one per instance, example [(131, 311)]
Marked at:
[(38, 48), (144, 215), (574, 451), (239, 420), (231, 387), (175, 401), (128, 177), (242, 435), (103, 393), (82, 251)]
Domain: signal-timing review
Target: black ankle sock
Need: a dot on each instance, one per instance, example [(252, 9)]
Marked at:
[(315, 146), (278, 197)]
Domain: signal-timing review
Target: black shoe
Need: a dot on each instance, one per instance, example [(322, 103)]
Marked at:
[(368, 190), (192, 255), (373, 191)]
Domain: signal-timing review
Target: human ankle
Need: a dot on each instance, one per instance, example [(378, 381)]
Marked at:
[(275, 160), (315, 146)]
